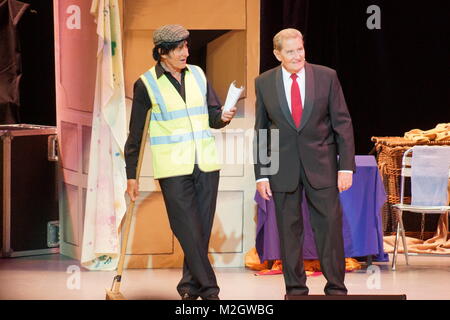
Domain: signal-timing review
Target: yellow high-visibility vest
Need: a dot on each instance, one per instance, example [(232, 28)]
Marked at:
[(179, 131)]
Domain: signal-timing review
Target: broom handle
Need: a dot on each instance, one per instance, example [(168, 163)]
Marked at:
[(129, 213)]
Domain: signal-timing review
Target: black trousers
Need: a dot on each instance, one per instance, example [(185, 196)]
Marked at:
[(326, 221), (191, 203)]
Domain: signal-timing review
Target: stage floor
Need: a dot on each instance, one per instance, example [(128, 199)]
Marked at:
[(50, 277)]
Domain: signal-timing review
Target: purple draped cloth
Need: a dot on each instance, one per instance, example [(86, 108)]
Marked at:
[(362, 225)]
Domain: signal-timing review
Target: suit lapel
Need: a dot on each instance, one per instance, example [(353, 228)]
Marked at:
[(282, 97), (309, 95)]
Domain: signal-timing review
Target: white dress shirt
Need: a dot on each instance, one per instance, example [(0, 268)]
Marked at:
[(287, 81)]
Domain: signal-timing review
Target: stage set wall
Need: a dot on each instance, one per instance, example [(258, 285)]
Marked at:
[(225, 38)]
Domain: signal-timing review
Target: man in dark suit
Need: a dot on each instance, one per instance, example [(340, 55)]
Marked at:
[(304, 106)]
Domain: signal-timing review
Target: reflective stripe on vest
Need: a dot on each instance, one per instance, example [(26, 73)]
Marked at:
[(179, 130), (176, 138), (171, 115)]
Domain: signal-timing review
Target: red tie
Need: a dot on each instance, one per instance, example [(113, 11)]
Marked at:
[(296, 101)]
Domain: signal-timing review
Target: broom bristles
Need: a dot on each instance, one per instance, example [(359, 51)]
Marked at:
[(110, 295)]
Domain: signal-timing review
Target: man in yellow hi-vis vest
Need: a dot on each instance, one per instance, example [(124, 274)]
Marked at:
[(183, 109)]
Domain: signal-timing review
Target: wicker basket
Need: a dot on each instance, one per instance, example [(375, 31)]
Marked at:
[(390, 151)]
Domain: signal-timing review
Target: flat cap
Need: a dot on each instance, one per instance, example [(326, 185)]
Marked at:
[(170, 33)]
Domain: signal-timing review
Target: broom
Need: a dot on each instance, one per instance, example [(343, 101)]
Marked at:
[(114, 292)]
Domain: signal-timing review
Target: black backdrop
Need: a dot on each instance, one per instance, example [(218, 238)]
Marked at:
[(37, 86), (394, 79)]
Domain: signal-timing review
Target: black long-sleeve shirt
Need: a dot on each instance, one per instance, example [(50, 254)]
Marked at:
[(142, 103)]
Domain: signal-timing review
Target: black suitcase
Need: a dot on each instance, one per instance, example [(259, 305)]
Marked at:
[(29, 220)]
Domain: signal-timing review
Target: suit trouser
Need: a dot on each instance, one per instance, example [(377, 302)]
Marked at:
[(191, 203), (326, 221)]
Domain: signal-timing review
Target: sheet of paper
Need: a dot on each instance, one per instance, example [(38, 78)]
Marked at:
[(232, 96)]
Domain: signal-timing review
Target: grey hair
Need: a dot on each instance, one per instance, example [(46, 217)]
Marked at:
[(285, 34)]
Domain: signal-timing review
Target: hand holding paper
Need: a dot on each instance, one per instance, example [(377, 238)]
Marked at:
[(232, 97)]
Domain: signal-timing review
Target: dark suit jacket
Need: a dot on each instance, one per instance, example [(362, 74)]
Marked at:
[(325, 130)]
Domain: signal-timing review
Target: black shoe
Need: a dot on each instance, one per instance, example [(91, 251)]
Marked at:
[(188, 296), (336, 293), (211, 297), (295, 296)]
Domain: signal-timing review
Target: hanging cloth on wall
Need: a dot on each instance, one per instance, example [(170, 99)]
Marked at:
[(105, 197), (10, 60)]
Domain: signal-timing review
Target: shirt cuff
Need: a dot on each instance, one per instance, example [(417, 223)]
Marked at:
[(131, 172), (349, 171), (262, 179)]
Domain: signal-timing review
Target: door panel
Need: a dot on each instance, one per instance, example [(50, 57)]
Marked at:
[(75, 67)]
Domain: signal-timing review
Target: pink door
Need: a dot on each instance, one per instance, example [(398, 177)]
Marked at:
[(75, 66)]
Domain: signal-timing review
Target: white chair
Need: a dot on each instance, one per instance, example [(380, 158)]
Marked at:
[(424, 209)]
